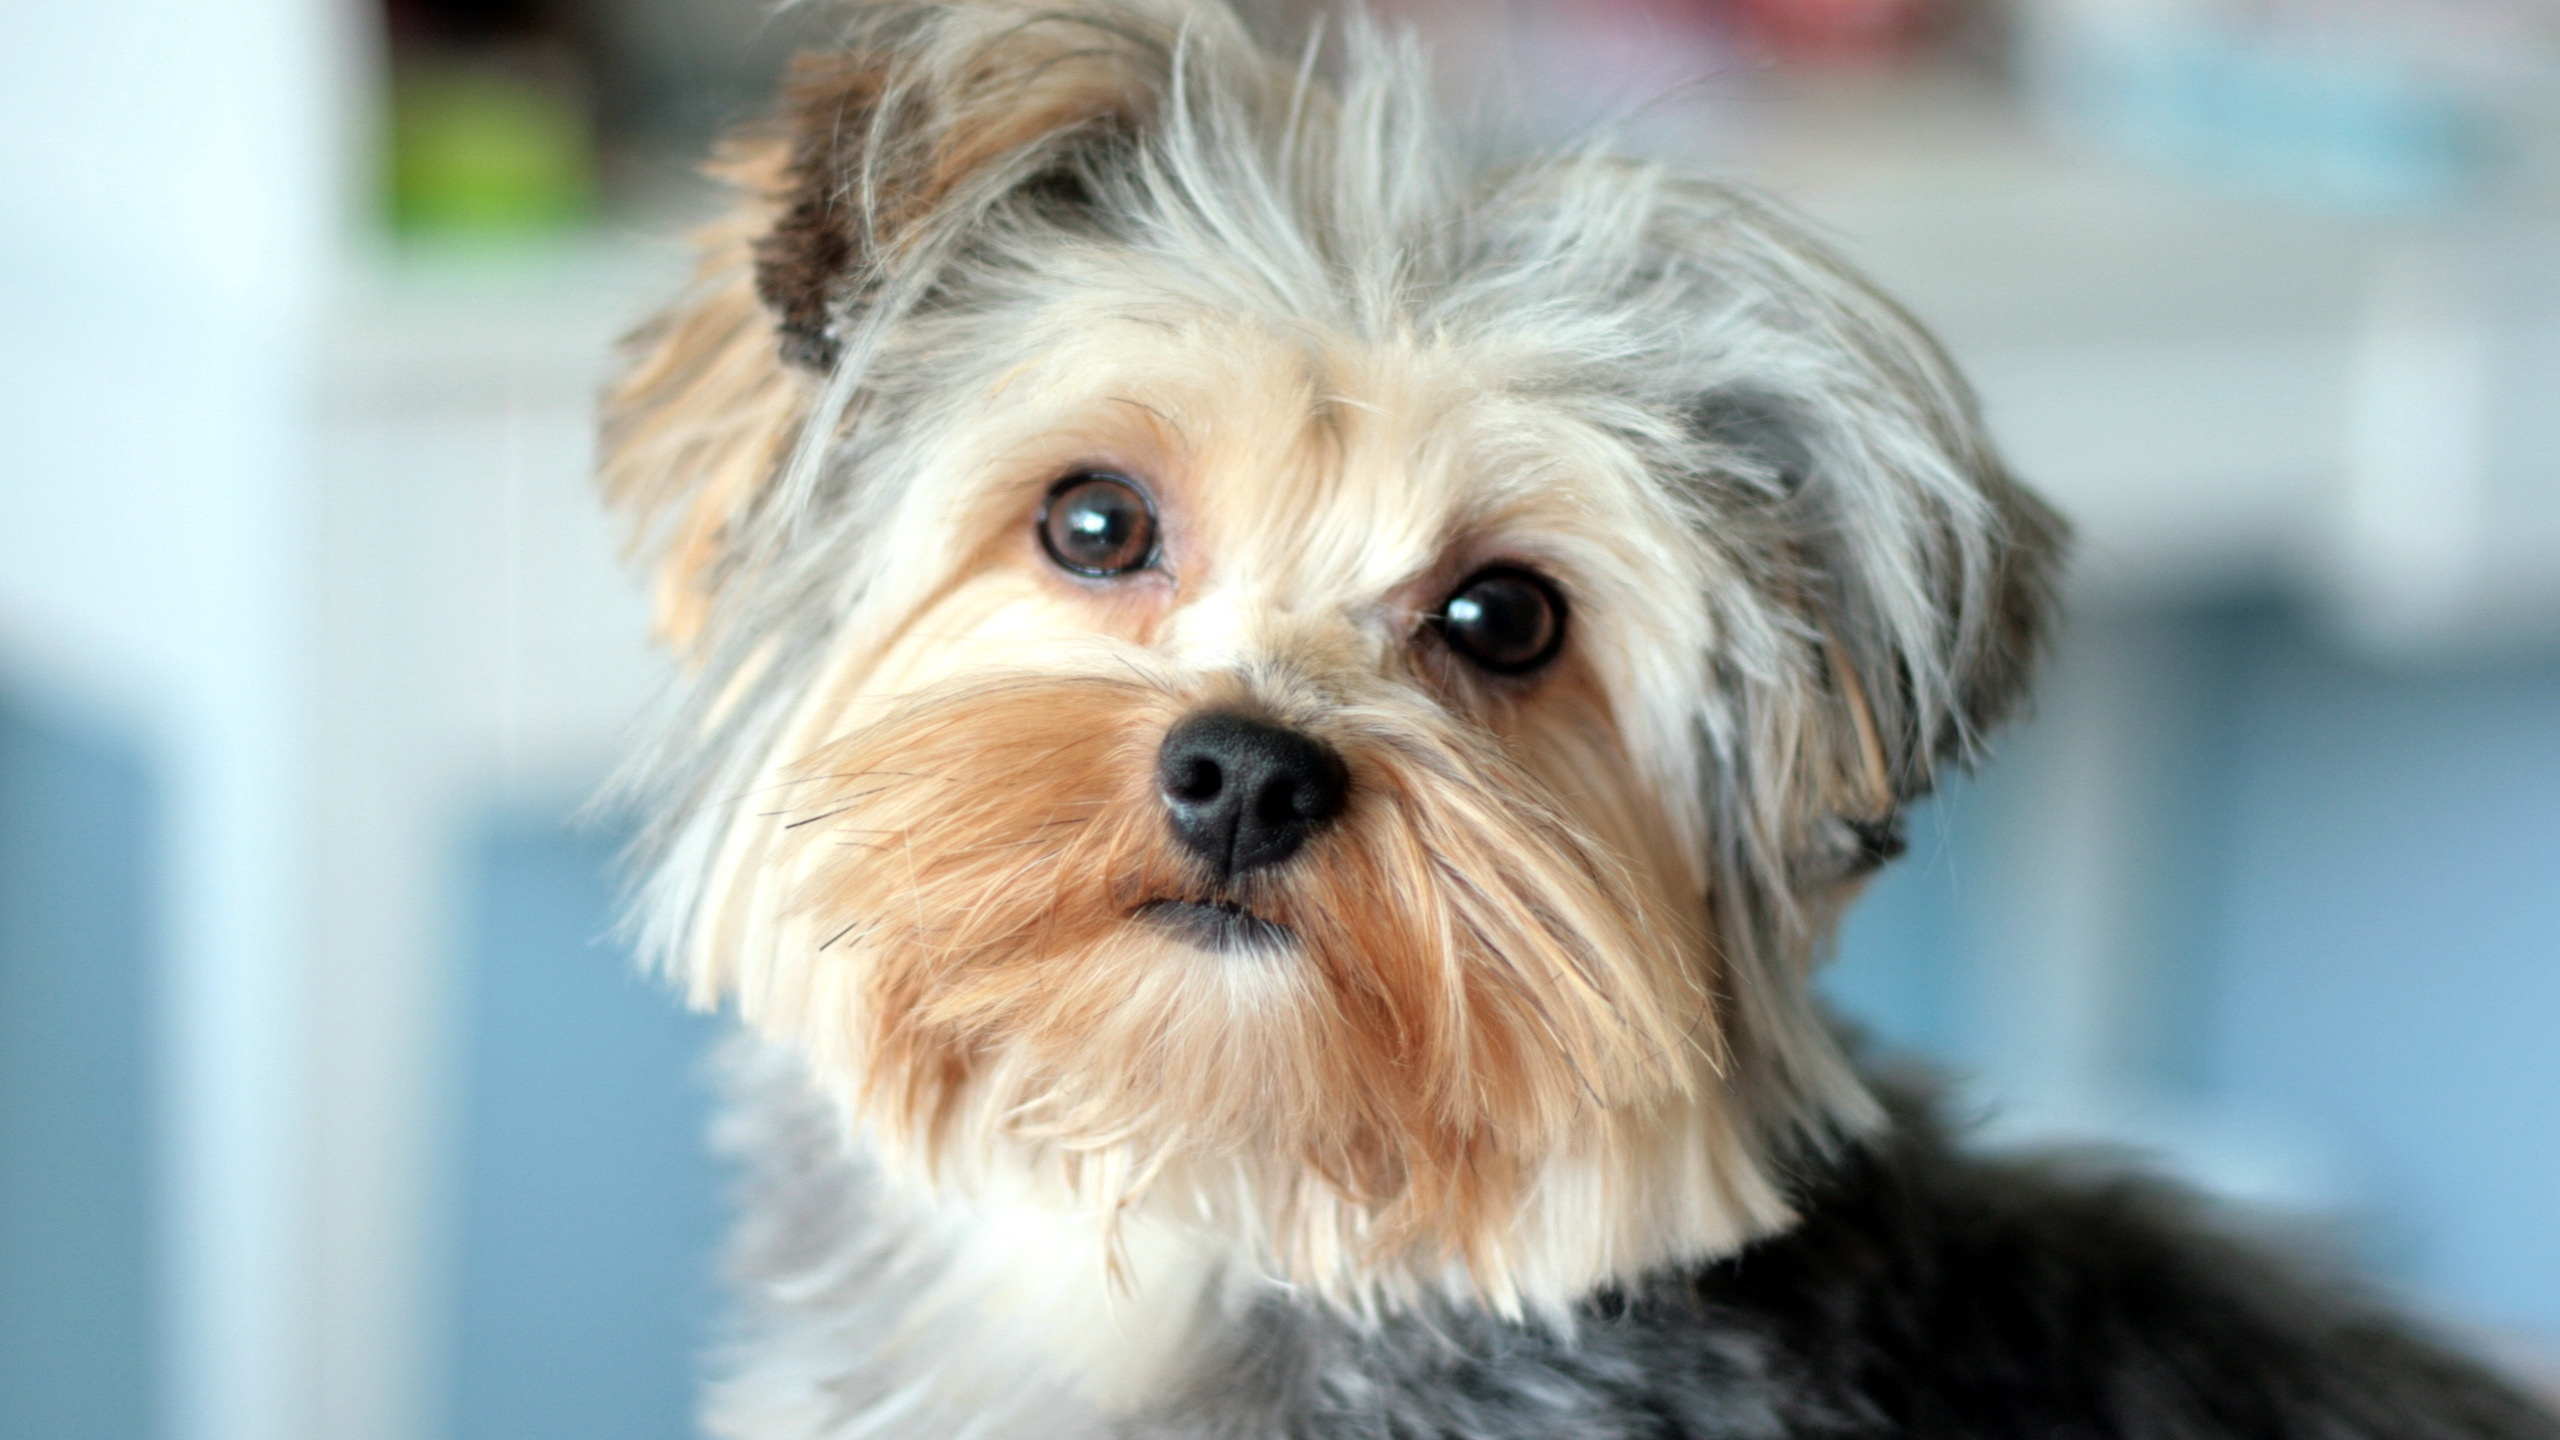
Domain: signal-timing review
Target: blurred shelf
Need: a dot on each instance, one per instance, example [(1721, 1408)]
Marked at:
[(2225, 391), (461, 529), (418, 326)]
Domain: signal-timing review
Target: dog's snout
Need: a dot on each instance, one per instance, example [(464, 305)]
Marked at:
[(1243, 794)]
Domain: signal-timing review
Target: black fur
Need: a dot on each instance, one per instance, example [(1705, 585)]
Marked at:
[(1928, 1293)]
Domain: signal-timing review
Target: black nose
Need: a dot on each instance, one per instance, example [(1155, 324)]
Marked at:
[(1244, 794)]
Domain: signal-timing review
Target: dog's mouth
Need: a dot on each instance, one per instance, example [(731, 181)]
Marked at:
[(1221, 927)]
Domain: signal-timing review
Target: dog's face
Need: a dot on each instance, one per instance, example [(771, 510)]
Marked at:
[(1250, 672)]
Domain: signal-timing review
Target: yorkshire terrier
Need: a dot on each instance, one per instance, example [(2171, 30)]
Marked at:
[(1278, 714)]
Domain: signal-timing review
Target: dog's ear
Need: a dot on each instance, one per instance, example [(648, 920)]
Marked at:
[(931, 118), (886, 154), (1905, 583), (1883, 591)]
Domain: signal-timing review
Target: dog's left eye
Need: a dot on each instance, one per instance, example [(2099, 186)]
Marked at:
[(1505, 619), (1098, 525)]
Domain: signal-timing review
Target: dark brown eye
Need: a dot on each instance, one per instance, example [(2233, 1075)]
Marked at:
[(1506, 620), (1098, 525)]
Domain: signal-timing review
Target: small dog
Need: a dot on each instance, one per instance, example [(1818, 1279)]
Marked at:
[(1277, 718)]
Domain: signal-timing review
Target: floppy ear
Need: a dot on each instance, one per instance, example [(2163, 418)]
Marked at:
[(930, 119), (1917, 575), (887, 154), (1882, 591), (1895, 585)]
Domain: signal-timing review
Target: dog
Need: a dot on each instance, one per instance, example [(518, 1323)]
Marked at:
[(1277, 713)]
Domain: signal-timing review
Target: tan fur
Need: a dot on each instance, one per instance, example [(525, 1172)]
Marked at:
[(702, 412)]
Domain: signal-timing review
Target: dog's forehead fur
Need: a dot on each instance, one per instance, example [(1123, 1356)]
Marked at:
[(1303, 482)]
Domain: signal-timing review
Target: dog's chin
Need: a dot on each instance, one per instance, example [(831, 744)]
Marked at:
[(1220, 927)]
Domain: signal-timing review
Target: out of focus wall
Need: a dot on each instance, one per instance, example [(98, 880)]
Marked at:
[(167, 226), (79, 1243), (588, 1211)]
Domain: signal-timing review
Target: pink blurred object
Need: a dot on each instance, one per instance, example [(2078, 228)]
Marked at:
[(1842, 32), (1793, 32)]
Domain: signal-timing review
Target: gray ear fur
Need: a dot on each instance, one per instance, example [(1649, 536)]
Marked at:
[(1886, 590), (1995, 586), (1907, 556)]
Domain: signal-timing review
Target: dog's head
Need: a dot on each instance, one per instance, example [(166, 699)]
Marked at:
[(1245, 665)]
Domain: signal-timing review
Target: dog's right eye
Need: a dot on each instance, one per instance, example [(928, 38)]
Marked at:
[(1507, 620), (1098, 525)]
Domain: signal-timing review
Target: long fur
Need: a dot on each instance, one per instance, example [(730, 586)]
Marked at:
[(1924, 1292), (1540, 1030)]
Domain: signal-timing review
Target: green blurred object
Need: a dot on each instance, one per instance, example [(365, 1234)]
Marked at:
[(493, 147)]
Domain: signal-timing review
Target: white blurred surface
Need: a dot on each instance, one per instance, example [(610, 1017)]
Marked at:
[(168, 218)]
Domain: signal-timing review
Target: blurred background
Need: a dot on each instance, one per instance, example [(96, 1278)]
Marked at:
[(329, 1106)]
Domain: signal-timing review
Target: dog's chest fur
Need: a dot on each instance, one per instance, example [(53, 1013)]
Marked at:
[(1927, 1293)]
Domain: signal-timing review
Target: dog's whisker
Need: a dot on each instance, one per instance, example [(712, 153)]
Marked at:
[(810, 820)]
